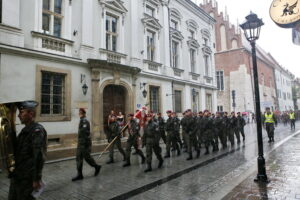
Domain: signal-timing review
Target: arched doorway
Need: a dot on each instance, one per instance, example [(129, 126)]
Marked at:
[(114, 98)]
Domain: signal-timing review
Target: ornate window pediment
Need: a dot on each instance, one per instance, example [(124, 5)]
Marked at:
[(151, 22), (176, 34), (205, 33), (192, 24), (116, 5), (175, 13), (206, 50), (192, 43), (153, 2)]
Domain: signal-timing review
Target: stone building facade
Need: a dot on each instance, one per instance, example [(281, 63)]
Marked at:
[(102, 55)]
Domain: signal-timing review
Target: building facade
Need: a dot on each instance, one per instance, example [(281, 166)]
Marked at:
[(105, 55), (234, 71)]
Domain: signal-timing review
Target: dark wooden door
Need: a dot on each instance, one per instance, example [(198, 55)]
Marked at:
[(113, 99)]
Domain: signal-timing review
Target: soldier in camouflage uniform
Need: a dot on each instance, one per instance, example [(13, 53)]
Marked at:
[(177, 139), (190, 129), (161, 124), (114, 131), (198, 125), (206, 130), (171, 139), (233, 129), (30, 151), (240, 125), (133, 130), (226, 130), (151, 141), (84, 146), (218, 131)]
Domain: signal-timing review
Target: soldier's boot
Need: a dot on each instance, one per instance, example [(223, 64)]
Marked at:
[(124, 157), (143, 159), (161, 161), (167, 155), (270, 140), (97, 170), (198, 153), (127, 164), (178, 151), (190, 156), (110, 161), (78, 177), (207, 151), (149, 168)]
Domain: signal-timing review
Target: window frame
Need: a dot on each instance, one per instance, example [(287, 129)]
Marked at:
[(51, 12), (158, 98), (66, 116), (219, 81), (110, 33), (193, 61), (150, 48), (175, 58), (178, 109)]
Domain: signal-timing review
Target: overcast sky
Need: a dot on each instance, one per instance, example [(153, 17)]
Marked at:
[(273, 39)]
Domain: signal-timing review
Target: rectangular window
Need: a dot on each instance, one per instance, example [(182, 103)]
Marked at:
[(53, 93), (150, 11), (220, 80), (209, 102), (154, 99), (207, 68), (111, 32), (195, 99), (150, 45), (284, 95), (174, 54), (178, 103), (192, 59), (279, 93), (220, 108), (52, 17), (173, 24)]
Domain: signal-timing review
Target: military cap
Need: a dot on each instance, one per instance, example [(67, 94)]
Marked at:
[(238, 113), (232, 112), (200, 112), (159, 113), (149, 115), (188, 110), (267, 108), (205, 111), (225, 112), (82, 110), (27, 105), (169, 111), (130, 115)]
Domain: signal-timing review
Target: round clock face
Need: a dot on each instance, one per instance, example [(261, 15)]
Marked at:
[(285, 13)]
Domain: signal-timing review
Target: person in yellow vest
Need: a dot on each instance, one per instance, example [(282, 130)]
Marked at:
[(292, 119), (269, 121)]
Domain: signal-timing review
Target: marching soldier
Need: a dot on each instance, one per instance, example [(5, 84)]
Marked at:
[(30, 153), (171, 139), (84, 146), (233, 129), (206, 126), (292, 119), (226, 130), (184, 134), (240, 125), (161, 124), (151, 141), (190, 130), (114, 131), (133, 130), (177, 139), (218, 126), (269, 120)]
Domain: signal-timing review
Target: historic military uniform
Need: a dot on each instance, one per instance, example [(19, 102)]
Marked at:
[(292, 120), (30, 152), (161, 124), (269, 121), (133, 130), (240, 126), (84, 148), (114, 131), (151, 141)]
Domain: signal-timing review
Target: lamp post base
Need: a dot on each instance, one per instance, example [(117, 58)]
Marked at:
[(262, 175)]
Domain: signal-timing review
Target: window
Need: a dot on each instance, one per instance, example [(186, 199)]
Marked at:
[(209, 102), (150, 11), (284, 95), (195, 99), (206, 62), (174, 54), (154, 99), (52, 17), (220, 80), (279, 93), (150, 45), (52, 94), (174, 24), (111, 33), (193, 61), (220, 108), (178, 103)]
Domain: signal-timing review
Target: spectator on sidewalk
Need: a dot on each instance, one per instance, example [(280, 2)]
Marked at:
[(292, 119), (269, 121)]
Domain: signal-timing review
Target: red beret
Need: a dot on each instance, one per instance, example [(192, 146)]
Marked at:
[(130, 115), (82, 110), (169, 111)]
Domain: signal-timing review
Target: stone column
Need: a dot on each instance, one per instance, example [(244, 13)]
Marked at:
[(95, 104)]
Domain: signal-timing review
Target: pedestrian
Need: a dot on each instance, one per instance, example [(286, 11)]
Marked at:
[(114, 131), (292, 119), (269, 121), (30, 152), (134, 135), (240, 125), (84, 146), (161, 124), (151, 141)]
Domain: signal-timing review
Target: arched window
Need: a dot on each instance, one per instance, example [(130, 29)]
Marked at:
[(234, 44)]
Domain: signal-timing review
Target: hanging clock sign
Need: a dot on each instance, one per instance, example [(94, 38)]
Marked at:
[(285, 13)]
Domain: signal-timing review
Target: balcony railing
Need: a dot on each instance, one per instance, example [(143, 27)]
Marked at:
[(194, 76), (153, 66), (112, 56)]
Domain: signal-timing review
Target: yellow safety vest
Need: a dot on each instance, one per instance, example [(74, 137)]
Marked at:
[(292, 115), (269, 118)]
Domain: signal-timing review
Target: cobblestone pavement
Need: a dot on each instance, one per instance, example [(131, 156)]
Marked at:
[(209, 177)]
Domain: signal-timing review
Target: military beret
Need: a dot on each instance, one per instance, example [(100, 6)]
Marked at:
[(225, 112), (188, 110), (205, 111), (149, 115), (82, 110), (238, 112), (232, 112), (27, 105), (169, 111), (200, 112), (158, 113), (130, 115)]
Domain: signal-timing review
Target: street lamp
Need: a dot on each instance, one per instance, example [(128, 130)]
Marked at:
[(252, 30), (144, 92)]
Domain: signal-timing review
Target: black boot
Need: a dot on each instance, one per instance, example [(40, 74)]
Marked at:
[(143, 159), (149, 168), (207, 151), (270, 140), (178, 152), (110, 161), (161, 161), (78, 177), (198, 153), (97, 169), (190, 157), (127, 164), (167, 155)]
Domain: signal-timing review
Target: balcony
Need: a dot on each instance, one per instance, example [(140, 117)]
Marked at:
[(177, 72), (152, 66), (112, 56), (194, 76), (208, 79)]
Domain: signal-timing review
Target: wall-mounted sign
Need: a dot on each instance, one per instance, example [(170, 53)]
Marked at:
[(285, 13)]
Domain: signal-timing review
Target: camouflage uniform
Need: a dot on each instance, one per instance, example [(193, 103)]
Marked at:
[(151, 141), (240, 126), (190, 129), (161, 124), (114, 130), (133, 137), (171, 139), (206, 132), (30, 151), (218, 132), (226, 131), (177, 139), (233, 130)]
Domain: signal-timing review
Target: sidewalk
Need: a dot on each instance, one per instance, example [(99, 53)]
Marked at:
[(283, 170)]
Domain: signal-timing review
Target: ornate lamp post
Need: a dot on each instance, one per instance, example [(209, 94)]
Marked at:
[(252, 30)]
